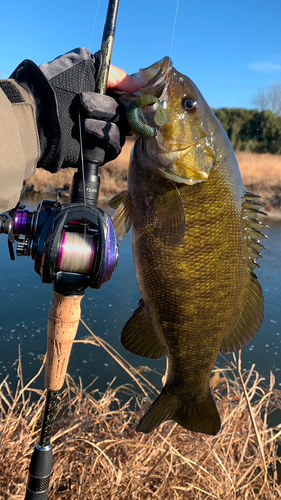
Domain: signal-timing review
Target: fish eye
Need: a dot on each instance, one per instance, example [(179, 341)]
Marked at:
[(190, 104)]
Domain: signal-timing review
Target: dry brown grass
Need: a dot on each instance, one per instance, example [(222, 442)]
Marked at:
[(44, 182), (113, 177), (261, 175), (99, 456)]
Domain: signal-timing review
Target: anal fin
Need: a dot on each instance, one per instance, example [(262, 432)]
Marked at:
[(139, 337)]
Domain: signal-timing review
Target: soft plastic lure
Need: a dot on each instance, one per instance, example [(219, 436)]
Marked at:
[(136, 121)]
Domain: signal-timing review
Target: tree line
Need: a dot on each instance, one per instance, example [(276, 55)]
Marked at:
[(251, 130)]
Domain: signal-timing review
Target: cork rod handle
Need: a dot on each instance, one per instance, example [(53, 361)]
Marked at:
[(62, 328)]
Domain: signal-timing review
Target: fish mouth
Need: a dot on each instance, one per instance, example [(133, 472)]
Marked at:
[(179, 179), (180, 152), (185, 164), (188, 165), (181, 173), (155, 78)]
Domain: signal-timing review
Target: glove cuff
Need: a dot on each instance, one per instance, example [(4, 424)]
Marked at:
[(30, 75)]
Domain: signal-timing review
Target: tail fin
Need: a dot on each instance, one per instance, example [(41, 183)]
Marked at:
[(198, 416)]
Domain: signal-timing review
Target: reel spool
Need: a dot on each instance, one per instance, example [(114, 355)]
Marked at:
[(77, 253)]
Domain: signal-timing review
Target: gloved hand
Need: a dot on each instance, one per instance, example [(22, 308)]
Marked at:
[(104, 124), (58, 88)]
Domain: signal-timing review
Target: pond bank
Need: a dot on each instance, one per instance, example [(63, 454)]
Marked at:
[(261, 175)]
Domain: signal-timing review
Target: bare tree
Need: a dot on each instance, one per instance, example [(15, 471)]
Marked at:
[(269, 98)]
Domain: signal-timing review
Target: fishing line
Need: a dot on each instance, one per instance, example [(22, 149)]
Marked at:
[(90, 43), (79, 114), (82, 154), (92, 34), (77, 253), (83, 175), (174, 29)]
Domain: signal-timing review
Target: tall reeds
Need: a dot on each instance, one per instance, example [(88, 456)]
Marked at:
[(99, 456)]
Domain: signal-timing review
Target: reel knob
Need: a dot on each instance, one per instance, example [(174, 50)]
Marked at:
[(23, 245)]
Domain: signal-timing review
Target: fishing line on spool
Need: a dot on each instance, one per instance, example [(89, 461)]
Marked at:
[(77, 252)]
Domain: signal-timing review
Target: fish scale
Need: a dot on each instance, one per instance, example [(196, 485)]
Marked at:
[(196, 238)]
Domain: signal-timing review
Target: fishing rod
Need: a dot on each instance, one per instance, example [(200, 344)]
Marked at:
[(74, 246)]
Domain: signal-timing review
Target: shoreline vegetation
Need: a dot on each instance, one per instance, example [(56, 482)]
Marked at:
[(261, 174), (99, 456)]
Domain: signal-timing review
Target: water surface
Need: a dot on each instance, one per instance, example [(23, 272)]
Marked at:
[(25, 304)]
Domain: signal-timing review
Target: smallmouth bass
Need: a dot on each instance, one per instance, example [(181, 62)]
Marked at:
[(196, 238)]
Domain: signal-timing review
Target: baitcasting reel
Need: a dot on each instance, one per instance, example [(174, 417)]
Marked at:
[(72, 244)]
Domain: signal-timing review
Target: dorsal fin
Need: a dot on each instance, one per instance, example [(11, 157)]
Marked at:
[(253, 228), (251, 312)]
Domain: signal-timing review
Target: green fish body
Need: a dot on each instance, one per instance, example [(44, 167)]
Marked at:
[(196, 239)]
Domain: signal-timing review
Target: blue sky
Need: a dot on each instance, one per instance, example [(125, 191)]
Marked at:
[(229, 49)]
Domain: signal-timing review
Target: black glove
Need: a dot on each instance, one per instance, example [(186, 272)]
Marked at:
[(56, 87), (104, 124)]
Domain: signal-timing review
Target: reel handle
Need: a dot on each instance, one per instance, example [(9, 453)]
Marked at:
[(63, 324)]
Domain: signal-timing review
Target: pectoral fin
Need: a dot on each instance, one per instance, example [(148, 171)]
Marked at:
[(168, 213), (139, 338), (122, 217)]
